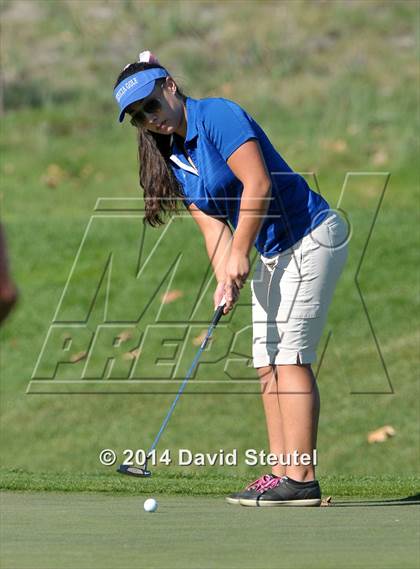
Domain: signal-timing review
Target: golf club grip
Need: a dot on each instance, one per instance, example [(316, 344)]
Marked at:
[(217, 315)]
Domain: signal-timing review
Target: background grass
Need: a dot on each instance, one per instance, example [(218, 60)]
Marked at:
[(335, 87)]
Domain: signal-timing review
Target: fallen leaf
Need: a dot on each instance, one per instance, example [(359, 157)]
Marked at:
[(338, 146), (132, 354), (197, 341), (171, 295), (54, 176), (326, 501), (78, 357), (382, 434), (380, 158), (124, 336)]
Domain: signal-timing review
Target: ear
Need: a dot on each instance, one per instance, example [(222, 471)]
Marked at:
[(171, 85)]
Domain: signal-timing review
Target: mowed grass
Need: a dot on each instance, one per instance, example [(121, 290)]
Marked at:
[(343, 102), (206, 483), (61, 531)]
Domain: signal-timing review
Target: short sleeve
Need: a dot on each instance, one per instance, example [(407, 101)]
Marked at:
[(227, 125)]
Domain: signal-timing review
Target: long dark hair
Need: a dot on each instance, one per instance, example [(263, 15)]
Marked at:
[(162, 191)]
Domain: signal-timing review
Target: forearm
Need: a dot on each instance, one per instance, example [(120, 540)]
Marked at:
[(218, 246), (254, 206)]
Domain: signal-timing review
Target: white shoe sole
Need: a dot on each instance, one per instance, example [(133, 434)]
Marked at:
[(274, 503), (234, 501)]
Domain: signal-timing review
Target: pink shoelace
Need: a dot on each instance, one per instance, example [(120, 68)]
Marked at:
[(264, 483)]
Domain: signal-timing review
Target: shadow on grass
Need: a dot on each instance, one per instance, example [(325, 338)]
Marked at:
[(408, 501)]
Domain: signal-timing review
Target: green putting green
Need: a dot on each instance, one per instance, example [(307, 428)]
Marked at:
[(63, 531)]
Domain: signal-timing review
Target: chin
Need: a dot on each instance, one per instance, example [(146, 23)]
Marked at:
[(168, 129)]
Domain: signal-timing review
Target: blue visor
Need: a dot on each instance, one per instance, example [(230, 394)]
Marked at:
[(136, 87)]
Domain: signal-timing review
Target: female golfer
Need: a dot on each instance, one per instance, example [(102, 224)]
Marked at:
[(211, 155)]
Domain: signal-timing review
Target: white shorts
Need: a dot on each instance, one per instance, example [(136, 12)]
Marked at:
[(291, 293)]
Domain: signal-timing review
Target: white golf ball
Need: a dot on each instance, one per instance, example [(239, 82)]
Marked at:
[(150, 505)]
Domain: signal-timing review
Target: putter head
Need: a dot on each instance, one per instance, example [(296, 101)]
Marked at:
[(134, 471)]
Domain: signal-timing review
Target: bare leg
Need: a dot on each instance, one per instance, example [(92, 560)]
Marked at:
[(299, 403), (268, 377), (8, 291)]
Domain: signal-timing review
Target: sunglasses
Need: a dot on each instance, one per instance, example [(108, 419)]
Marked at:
[(150, 107)]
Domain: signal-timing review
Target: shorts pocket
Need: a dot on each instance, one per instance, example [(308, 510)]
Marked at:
[(337, 232), (299, 297)]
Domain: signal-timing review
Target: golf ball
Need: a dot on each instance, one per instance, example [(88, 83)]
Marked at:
[(150, 505)]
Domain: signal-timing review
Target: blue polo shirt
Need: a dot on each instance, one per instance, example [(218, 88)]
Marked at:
[(216, 127)]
